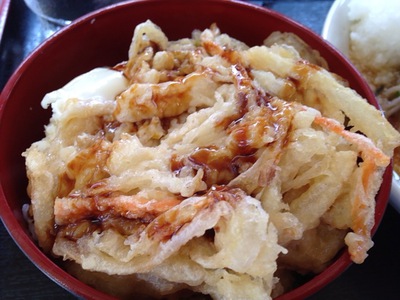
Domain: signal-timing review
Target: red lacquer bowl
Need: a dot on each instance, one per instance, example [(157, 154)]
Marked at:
[(102, 39)]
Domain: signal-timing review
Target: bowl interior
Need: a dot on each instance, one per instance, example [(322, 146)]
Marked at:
[(103, 39)]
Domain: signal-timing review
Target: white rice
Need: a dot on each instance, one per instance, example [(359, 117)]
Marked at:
[(375, 46), (375, 36)]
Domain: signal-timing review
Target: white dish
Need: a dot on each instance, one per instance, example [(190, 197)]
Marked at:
[(336, 31), (336, 27)]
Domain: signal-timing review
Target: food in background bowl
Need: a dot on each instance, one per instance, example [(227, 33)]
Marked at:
[(374, 48), (207, 165)]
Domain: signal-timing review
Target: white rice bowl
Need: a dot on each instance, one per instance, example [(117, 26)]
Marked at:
[(374, 42)]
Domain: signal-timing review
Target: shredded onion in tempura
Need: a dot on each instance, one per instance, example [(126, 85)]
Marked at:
[(204, 165)]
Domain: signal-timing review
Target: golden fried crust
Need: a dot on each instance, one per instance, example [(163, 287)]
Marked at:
[(212, 161)]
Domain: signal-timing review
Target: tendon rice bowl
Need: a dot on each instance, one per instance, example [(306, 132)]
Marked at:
[(156, 174)]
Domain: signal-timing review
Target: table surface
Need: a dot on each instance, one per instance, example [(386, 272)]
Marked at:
[(378, 277)]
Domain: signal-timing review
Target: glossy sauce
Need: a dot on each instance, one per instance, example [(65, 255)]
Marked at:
[(85, 169), (253, 127), (163, 100), (259, 120), (124, 226)]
